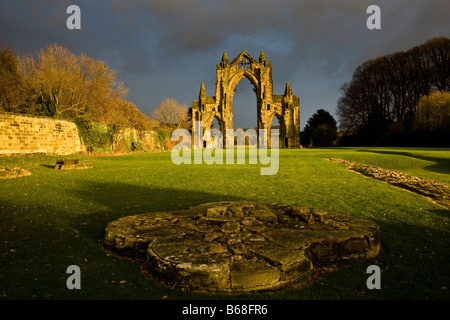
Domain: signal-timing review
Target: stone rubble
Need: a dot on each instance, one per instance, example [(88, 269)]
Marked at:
[(437, 191), (13, 173)]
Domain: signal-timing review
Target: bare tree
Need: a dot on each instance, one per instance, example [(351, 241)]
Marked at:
[(69, 86), (51, 78), (171, 114), (385, 92), (12, 93)]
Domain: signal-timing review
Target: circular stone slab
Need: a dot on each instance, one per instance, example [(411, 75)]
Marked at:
[(241, 246)]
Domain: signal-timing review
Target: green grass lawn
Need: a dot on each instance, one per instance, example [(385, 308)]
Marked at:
[(53, 219)]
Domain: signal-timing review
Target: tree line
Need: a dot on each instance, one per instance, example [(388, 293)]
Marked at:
[(55, 82), (383, 97)]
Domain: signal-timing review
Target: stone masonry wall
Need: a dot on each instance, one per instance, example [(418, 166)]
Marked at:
[(20, 134)]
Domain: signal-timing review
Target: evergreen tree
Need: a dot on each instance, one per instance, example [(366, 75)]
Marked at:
[(320, 130)]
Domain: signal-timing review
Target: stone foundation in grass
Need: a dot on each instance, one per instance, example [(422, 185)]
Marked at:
[(232, 247), (438, 192), (13, 173)]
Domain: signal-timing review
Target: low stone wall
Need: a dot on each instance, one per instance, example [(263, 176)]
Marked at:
[(20, 134)]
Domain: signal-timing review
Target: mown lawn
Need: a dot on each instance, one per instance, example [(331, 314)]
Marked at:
[(53, 219)]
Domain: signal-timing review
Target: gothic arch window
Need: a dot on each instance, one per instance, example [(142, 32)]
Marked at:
[(244, 63)]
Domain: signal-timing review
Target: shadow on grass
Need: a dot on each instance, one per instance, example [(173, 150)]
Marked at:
[(40, 245), (442, 165), (116, 200), (415, 255), (48, 166), (43, 238)]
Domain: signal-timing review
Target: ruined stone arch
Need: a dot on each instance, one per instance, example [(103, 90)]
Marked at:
[(238, 76), (234, 81), (209, 122), (282, 130), (259, 72)]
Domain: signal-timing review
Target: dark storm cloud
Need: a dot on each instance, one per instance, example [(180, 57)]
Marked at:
[(166, 48), (321, 36)]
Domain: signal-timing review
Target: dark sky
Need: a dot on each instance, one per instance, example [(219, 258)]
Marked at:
[(167, 48)]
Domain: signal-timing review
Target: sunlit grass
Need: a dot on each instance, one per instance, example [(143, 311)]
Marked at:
[(53, 219)]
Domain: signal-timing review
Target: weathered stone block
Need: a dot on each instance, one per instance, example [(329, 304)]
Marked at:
[(264, 216), (303, 213), (230, 227), (71, 164), (252, 274), (216, 212)]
